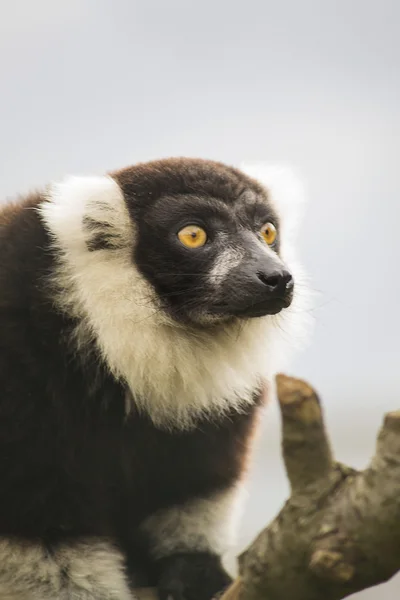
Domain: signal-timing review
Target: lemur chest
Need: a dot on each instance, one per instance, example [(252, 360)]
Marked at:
[(164, 468)]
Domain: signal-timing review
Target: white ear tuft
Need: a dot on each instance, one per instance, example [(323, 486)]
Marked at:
[(286, 190)]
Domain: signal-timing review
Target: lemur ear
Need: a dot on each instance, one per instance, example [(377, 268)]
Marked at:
[(286, 190)]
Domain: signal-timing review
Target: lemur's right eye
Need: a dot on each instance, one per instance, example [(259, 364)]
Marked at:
[(192, 236), (269, 233)]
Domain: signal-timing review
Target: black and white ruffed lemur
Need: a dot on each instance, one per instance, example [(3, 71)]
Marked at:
[(142, 315)]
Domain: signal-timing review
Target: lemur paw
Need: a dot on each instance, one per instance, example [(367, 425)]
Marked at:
[(197, 576)]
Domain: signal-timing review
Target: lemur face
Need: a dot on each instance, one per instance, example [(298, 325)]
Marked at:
[(207, 240)]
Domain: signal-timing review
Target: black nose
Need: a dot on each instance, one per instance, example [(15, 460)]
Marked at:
[(277, 282)]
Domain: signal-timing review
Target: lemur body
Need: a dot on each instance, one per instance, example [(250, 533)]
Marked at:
[(132, 371)]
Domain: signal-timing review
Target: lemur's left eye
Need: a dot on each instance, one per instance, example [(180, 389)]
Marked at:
[(192, 236), (269, 233)]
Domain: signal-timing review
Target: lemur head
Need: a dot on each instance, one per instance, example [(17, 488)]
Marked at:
[(180, 271), (207, 240)]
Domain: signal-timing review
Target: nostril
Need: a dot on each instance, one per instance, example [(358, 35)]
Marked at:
[(289, 282), (272, 281)]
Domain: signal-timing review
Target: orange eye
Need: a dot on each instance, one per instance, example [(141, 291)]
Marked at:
[(269, 233), (192, 236)]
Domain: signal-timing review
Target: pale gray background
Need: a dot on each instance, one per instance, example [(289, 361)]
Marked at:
[(89, 85)]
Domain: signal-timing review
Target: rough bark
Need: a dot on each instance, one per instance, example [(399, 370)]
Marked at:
[(339, 532)]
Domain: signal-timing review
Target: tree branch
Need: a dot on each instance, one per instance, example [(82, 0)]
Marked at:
[(339, 532)]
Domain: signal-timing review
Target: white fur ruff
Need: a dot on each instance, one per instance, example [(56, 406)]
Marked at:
[(174, 374), (202, 525), (88, 569)]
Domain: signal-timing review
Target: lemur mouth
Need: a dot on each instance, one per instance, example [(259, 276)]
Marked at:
[(261, 308)]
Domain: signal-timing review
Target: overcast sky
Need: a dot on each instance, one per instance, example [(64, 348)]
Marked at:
[(90, 85)]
